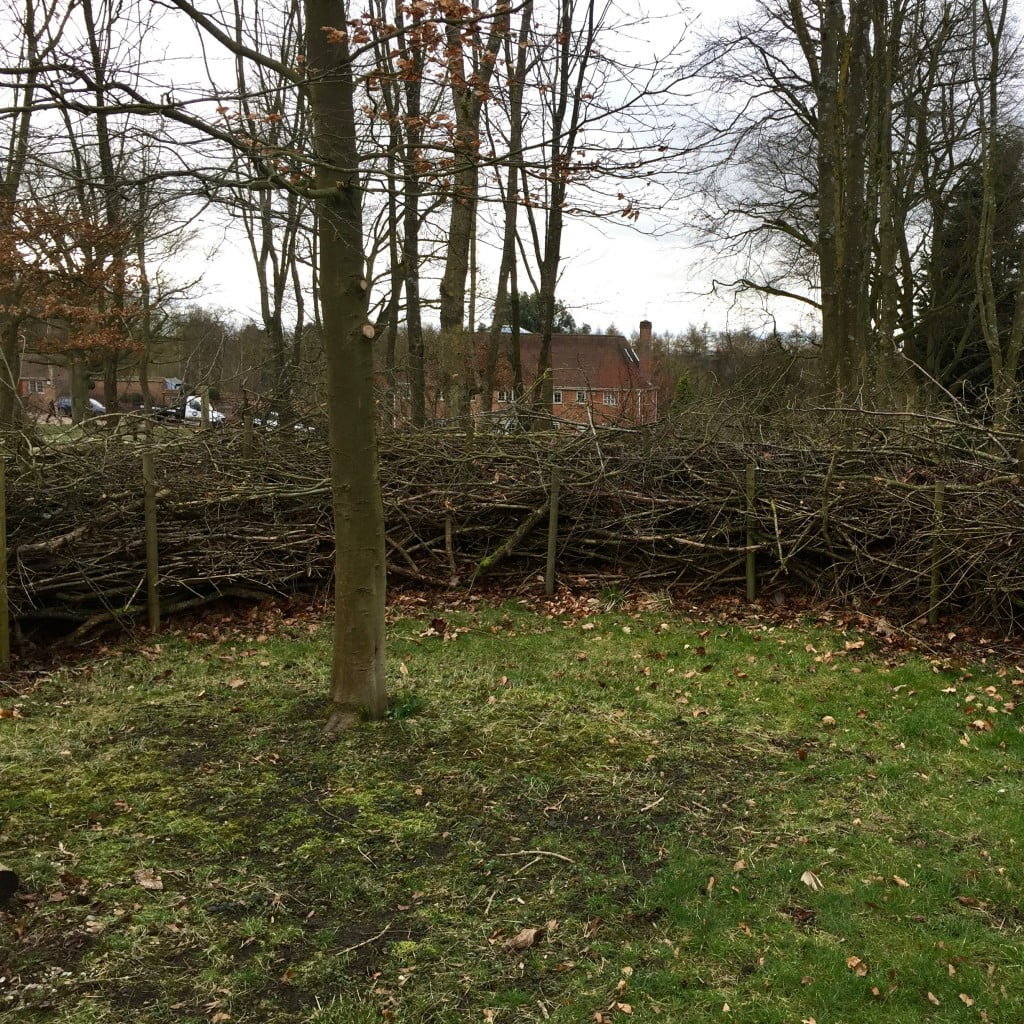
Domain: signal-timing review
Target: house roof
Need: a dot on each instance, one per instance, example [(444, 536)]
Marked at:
[(578, 361)]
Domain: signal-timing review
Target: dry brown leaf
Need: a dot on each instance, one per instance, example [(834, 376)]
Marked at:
[(812, 881), (966, 999), (901, 882), (857, 966), (740, 865), (148, 878), (934, 1000), (524, 940), (624, 1008)]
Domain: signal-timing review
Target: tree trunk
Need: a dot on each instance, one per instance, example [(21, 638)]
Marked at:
[(468, 96), (357, 671)]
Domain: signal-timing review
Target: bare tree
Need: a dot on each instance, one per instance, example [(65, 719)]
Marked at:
[(36, 27)]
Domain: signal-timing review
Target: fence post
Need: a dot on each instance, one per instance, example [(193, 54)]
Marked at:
[(549, 576), (247, 434), (933, 590), (152, 550), (5, 617), (751, 554)]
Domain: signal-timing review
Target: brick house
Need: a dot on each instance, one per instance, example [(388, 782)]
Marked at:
[(596, 378)]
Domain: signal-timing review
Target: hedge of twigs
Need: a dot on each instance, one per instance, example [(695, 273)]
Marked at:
[(847, 513)]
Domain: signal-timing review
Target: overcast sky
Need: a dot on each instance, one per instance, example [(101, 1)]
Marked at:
[(611, 274)]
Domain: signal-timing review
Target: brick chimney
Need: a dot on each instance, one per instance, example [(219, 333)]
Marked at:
[(645, 331)]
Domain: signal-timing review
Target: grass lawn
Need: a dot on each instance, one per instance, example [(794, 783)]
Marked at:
[(586, 816)]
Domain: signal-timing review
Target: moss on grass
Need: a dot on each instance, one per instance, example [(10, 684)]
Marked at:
[(647, 791)]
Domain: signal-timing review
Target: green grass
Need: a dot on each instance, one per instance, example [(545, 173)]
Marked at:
[(648, 790)]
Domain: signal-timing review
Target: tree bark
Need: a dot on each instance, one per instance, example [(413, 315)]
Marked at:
[(468, 94), (357, 671)]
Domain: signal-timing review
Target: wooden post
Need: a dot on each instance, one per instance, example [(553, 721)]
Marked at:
[(933, 590), (549, 576), (247, 433), (152, 549), (5, 616), (751, 554), (8, 882)]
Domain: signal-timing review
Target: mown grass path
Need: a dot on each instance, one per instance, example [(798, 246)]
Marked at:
[(598, 817)]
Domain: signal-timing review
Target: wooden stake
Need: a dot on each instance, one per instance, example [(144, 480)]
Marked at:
[(549, 576), (8, 882), (933, 590), (247, 434), (5, 618), (751, 554), (152, 548)]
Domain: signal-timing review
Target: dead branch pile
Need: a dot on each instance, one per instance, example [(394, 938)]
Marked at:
[(853, 517)]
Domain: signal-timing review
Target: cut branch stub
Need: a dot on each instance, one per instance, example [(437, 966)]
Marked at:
[(8, 882)]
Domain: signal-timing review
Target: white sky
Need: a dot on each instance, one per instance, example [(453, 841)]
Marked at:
[(610, 273)]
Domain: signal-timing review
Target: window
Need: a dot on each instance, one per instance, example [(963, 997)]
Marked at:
[(581, 398), (556, 398), (611, 398), (504, 396), (35, 386)]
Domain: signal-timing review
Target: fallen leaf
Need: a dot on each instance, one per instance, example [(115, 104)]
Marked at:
[(934, 1000), (624, 1008), (740, 865), (148, 878), (828, 722), (236, 684), (812, 881), (901, 882), (524, 940), (857, 966)]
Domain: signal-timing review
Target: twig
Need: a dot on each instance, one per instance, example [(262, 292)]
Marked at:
[(365, 942), (538, 853)]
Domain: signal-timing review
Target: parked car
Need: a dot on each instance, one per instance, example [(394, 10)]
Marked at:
[(190, 410), (193, 411), (63, 406), (271, 421)]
